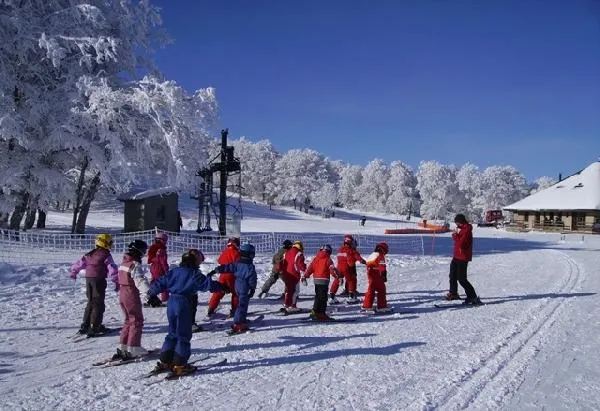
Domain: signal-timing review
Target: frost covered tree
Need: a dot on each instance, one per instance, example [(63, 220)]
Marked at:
[(542, 183), (350, 180), (469, 181), (402, 185), (501, 186), (48, 45), (373, 192), (257, 162), (325, 197), (298, 174), (440, 196)]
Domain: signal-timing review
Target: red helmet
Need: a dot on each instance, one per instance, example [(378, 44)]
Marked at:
[(382, 247)]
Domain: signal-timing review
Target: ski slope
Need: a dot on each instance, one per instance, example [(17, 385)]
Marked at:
[(533, 346)]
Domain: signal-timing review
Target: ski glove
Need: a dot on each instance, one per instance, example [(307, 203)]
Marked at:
[(211, 273), (116, 287), (153, 301), (362, 261), (304, 282), (73, 276), (251, 292), (384, 276)]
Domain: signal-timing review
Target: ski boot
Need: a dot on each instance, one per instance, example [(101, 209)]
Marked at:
[(180, 370), (450, 296), (473, 301), (161, 367)]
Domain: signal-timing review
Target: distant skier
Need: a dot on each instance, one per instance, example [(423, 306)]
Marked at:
[(322, 267), (245, 284), (98, 265), (131, 283), (183, 283), (377, 276), (462, 254), (347, 258), (276, 269), (230, 254), (293, 267), (157, 260)]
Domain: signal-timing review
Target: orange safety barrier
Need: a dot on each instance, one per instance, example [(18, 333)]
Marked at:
[(428, 230)]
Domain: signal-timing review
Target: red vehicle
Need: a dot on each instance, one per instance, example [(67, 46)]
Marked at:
[(493, 218)]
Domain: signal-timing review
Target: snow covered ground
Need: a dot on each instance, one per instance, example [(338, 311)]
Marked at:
[(535, 344)]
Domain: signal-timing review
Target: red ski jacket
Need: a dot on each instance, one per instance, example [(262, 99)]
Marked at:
[(463, 243), (347, 257), (157, 259), (293, 263), (231, 254), (376, 263), (322, 267)]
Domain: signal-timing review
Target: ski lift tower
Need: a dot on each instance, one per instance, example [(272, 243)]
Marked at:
[(227, 165)]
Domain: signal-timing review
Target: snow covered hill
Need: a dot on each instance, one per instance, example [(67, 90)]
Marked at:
[(533, 346)]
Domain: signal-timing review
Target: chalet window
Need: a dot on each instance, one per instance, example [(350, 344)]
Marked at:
[(526, 217)]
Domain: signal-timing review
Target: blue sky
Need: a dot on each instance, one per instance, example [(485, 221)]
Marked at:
[(492, 82)]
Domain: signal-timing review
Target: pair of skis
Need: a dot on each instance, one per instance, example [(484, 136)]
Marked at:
[(193, 369)]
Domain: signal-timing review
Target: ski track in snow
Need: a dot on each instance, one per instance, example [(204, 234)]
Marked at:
[(491, 380)]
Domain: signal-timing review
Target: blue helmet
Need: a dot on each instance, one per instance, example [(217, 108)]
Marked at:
[(247, 250)]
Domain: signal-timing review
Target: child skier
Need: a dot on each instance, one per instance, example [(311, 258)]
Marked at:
[(347, 258), (182, 283), (230, 254), (276, 270), (245, 285), (157, 260), (293, 267), (377, 276), (131, 283), (98, 264), (322, 267)]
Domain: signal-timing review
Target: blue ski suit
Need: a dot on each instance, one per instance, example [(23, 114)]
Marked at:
[(182, 283), (245, 285)]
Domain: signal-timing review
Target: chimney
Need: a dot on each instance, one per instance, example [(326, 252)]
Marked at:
[(559, 177)]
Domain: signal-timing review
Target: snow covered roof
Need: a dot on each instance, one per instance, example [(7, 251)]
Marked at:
[(143, 194), (580, 191)]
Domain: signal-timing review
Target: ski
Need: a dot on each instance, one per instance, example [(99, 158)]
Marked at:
[(332, 320), (109, 362), (84, 337), (171, 376), (283, 312), (153, 373), (459, 305)]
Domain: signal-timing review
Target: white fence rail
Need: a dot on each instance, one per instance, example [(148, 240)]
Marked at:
[(45, 247)]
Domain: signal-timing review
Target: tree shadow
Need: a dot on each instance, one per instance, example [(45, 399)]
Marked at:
[(313, 357)]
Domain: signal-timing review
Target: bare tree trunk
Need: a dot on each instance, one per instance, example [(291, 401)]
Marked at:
[(31, 213), (84, 209), (19, 211), (41, 222), (4, 220), (79, 193), (29, 219)]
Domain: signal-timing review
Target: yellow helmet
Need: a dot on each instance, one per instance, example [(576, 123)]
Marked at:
[(104, 241), (298, 245)]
